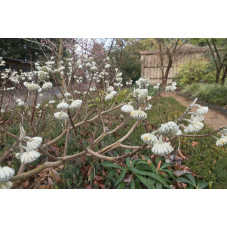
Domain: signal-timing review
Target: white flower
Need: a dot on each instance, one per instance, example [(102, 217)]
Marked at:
[(139, 115), (149, 139), (21, 103), (3, 110), (63, 105), (140, 94), (6, 185), (107, 66), (119, 79), (93, 68), (169, 129), (110, 88), (47, 85), (197, 117), (51, 101), (148, 107), (142, 83), (29, 156), (170, 88), (88, 65), (61, 115), (202, 109), (194, 126), (222, 141), (127, 108), (156, 87), (34, 142), (6, 173), (67, 95), (76, 104), (161, 148), (32, 86), (110, 95)]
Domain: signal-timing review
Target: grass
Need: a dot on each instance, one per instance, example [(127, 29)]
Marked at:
[(211, 93)]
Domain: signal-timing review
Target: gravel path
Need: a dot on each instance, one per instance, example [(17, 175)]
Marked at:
[(213, 118)]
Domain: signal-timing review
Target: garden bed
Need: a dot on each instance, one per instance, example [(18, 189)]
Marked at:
[(222, 110)]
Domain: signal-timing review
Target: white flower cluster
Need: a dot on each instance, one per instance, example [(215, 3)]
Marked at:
[(111, 93), (223, 140), (157, 86), (169, 129), (31, 86), (75, 104), (140, 94), (6, 174), (63, 105), (171, 87), (162, 148), (47, 85), (61, 115), (149, 139), (159, 147), (128, 83), (127, 108), (31, 154), (138, 115), (2, 63), (118, 79), (195, 122), (20, 102), (143, 83)]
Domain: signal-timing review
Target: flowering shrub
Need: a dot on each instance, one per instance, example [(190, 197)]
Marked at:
[(79, 101)]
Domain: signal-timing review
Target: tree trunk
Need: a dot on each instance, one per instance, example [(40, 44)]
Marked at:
[(224, 75), (161, 59), (170, 62), (60, 56)]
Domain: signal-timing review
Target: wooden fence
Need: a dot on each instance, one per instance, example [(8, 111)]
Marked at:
[(150, 62)]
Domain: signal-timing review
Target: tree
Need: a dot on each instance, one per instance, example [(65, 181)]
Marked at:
[(167, 48), (20, 49), (218, 53), (127, 55)]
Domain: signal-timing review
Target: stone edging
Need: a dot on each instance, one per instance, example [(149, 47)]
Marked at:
[(211, 106)]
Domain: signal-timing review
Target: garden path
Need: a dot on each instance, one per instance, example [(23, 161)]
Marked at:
[(213, 118)]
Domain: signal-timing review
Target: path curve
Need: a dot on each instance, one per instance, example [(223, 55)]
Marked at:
[(213, 118)]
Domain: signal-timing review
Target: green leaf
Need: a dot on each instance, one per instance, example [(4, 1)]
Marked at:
[(121, 177), (112, 165), (132, 185), (121, 185), (147, 182), (202, 184), (158, 185), (165, 165), (128, 162), (184, 180), (191, 178)]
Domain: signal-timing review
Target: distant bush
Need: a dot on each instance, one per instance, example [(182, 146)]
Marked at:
[(194, 71), (211, 93)]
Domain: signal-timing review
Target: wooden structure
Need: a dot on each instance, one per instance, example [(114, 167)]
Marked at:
[(17, 65), (150, 62)]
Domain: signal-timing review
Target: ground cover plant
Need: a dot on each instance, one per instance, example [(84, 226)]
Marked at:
[(212, 93), (86, 129)]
